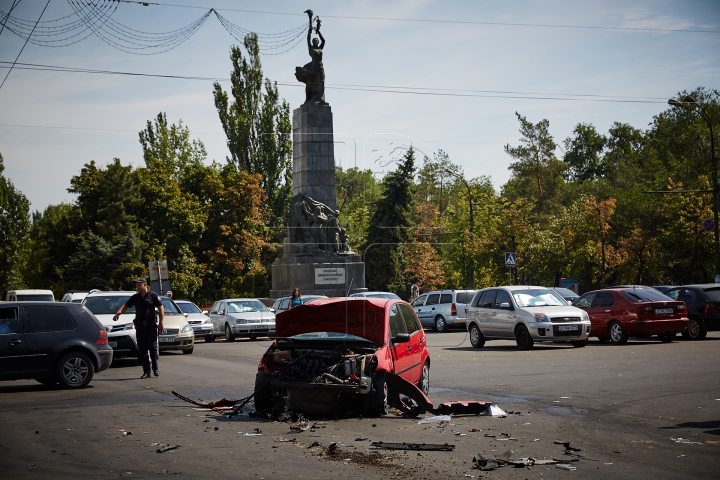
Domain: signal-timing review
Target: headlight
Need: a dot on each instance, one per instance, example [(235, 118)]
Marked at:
[(541, 317), (129, 326), (240, 321), (585, 317), (207, 321), (187, 328)]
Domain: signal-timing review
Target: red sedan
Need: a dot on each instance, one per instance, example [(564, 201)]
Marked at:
[(331, 357), (619, 313)]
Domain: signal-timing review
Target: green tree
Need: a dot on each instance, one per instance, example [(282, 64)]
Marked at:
[(98, 263), (583, 153), (14, 229), (258, 129), (357, 192), (389, 230)]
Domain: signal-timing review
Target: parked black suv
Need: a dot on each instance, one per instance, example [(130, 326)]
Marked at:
[(53, 343), (703, 308)]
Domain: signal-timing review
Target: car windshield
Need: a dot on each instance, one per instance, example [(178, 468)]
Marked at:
[(188, 307), (566, 292), (169, 307), (244, 306), (538, 298), (382, 295), (644, 295), (329, 336), (107, 304)]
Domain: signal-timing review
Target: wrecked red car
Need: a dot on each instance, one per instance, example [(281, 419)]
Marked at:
[(340, 356)]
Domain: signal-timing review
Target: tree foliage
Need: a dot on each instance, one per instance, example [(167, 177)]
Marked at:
[(14, 230)]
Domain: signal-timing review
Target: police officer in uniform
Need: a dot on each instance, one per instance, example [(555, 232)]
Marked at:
[(146, 329)]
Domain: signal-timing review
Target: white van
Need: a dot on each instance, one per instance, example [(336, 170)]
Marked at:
[(30, 296)]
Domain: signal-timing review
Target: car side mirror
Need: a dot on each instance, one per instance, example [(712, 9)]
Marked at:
[(205, 312), (221, 312), (466, 310), (272, 310), (185, 315), (401, 338), (506, 306)]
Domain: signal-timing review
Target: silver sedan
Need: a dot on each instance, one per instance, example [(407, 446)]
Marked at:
[(241, 317)]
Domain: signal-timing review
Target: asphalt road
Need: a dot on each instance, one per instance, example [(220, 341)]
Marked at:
[(622, 406)]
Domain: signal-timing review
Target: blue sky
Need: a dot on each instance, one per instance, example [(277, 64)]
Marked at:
[(52, 123)]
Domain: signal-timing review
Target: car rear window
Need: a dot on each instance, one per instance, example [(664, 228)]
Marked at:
[(642, 295), (464, 297), (433, 299), (446, 298), (713, 294), (47, 319), (107, 305), (188, 307)]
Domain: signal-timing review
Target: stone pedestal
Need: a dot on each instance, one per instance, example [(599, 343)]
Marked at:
[(314, 154), (313, 267)]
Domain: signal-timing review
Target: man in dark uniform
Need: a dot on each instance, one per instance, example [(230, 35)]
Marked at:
[(146, 329)]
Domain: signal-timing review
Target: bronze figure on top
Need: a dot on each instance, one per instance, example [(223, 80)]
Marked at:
[(313, 74)]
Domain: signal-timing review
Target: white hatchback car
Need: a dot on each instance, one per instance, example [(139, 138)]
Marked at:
[(527, 314)]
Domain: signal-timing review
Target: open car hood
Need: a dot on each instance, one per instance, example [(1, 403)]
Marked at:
[(362, 317)]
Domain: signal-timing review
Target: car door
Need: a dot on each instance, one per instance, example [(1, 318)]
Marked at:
[(401, 352), (47, 329), (416, 345), (429, 310), (485, 313), (504, 315), (12, 342), (600, 313), (214, 318)]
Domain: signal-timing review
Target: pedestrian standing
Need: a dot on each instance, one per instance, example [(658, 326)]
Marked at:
[(146, 329), (168, 294), (296, 298), (415, 289)]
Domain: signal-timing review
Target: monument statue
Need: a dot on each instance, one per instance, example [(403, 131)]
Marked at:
[(313, 74)]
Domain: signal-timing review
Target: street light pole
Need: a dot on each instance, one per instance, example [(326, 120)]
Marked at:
[(688, 100), (471, 262)]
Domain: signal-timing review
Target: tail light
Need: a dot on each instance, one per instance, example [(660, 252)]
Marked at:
[(681, 308), (453, 309), (647, 310), (102, 338), (711, 308)]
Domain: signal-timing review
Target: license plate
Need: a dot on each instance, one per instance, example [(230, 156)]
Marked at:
[(661, 311), (112, 344), (259, 327), (167, 339), (567, 328)]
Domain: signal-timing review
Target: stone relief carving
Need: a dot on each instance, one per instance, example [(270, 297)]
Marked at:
[(316, 225)]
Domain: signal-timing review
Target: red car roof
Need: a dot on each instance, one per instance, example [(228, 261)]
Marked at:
[(359, 316)]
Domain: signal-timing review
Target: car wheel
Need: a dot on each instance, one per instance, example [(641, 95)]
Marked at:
[(667, 337), (74, 370), (476, 337), (695, 330), (229, 334), (617, 333), (263, 394), (579, 343), (523, 339), (440, 324), (47, 381), (209, 338), (189, 351), (380, 395), (424, 383)]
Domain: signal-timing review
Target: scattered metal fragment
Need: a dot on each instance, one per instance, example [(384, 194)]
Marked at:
[(220, 403), (361, 439), (313, 444), (332, 447), (683, 440), (165, 448), (463, 407), (436, 419), (565, 466), (567, 446), (413, 446), (300, 426), (252, 435)]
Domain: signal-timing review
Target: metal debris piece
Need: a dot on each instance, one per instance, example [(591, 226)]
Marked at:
[(301, 425), (495, 411), (165, 448), (332, 447), (252, 435), (468, 407), (220, 403), (567, 446), (505, 456), (566, 466), (683, 440), (413, 446), (417, 401), (361, 439), (436, 419), (313, 444)]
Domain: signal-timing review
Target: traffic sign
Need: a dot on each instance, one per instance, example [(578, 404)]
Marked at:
[(709, 225), (510, 259)]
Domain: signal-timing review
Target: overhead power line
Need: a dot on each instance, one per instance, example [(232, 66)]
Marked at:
[(24, 44), (376, 88)]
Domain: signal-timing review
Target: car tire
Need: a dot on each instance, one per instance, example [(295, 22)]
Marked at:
[(579, 343), (189, 351), (667, 337), (477, 339), (424, 383), (263, 393), (74, 370), (229, 336), (523, 339), (695, 330), (618, 335), (380, 395), (440, 324)]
